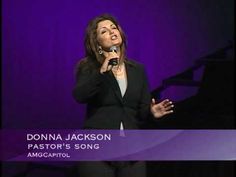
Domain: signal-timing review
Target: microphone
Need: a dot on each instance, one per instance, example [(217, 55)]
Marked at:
[(113, 61)]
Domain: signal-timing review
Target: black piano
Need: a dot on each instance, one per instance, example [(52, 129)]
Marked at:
[(213, 105)]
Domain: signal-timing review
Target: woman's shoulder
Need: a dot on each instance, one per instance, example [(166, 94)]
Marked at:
[(134, 63), (85, 64)]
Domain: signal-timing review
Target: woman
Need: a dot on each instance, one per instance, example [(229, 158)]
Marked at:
[(116, 93)]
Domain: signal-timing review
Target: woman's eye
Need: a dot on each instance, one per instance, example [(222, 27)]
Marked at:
[(114, 27), (103, 32)]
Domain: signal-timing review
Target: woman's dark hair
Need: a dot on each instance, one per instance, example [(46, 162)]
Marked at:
[(91, 43)]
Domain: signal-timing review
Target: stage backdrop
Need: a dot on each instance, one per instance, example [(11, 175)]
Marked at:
[(42, 40)]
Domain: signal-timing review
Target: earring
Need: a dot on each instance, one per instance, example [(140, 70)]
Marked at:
[(100, 51)]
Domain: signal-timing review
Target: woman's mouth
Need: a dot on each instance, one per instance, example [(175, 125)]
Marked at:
[(113, 37)]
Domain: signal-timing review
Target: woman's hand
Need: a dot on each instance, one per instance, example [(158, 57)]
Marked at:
[(160, 109), (108, 55)]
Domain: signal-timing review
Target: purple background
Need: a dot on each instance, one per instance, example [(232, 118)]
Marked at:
[(43, 40)]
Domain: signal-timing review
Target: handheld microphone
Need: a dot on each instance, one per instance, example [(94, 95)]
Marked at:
[(113, 61)]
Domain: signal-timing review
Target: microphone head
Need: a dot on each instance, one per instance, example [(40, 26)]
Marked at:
[(113, 49), (113, 61)]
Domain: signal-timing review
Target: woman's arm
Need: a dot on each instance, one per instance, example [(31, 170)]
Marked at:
[(145, 97), (149, 107), (87, 84)]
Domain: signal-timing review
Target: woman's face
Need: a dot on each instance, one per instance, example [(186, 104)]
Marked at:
[(108, 34)]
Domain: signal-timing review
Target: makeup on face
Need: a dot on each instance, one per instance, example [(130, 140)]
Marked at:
[(108, 34)]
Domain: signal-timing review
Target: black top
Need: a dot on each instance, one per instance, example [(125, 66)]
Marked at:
[(106, 107)]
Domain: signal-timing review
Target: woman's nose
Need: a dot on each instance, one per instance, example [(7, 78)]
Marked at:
[(111, 31)]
